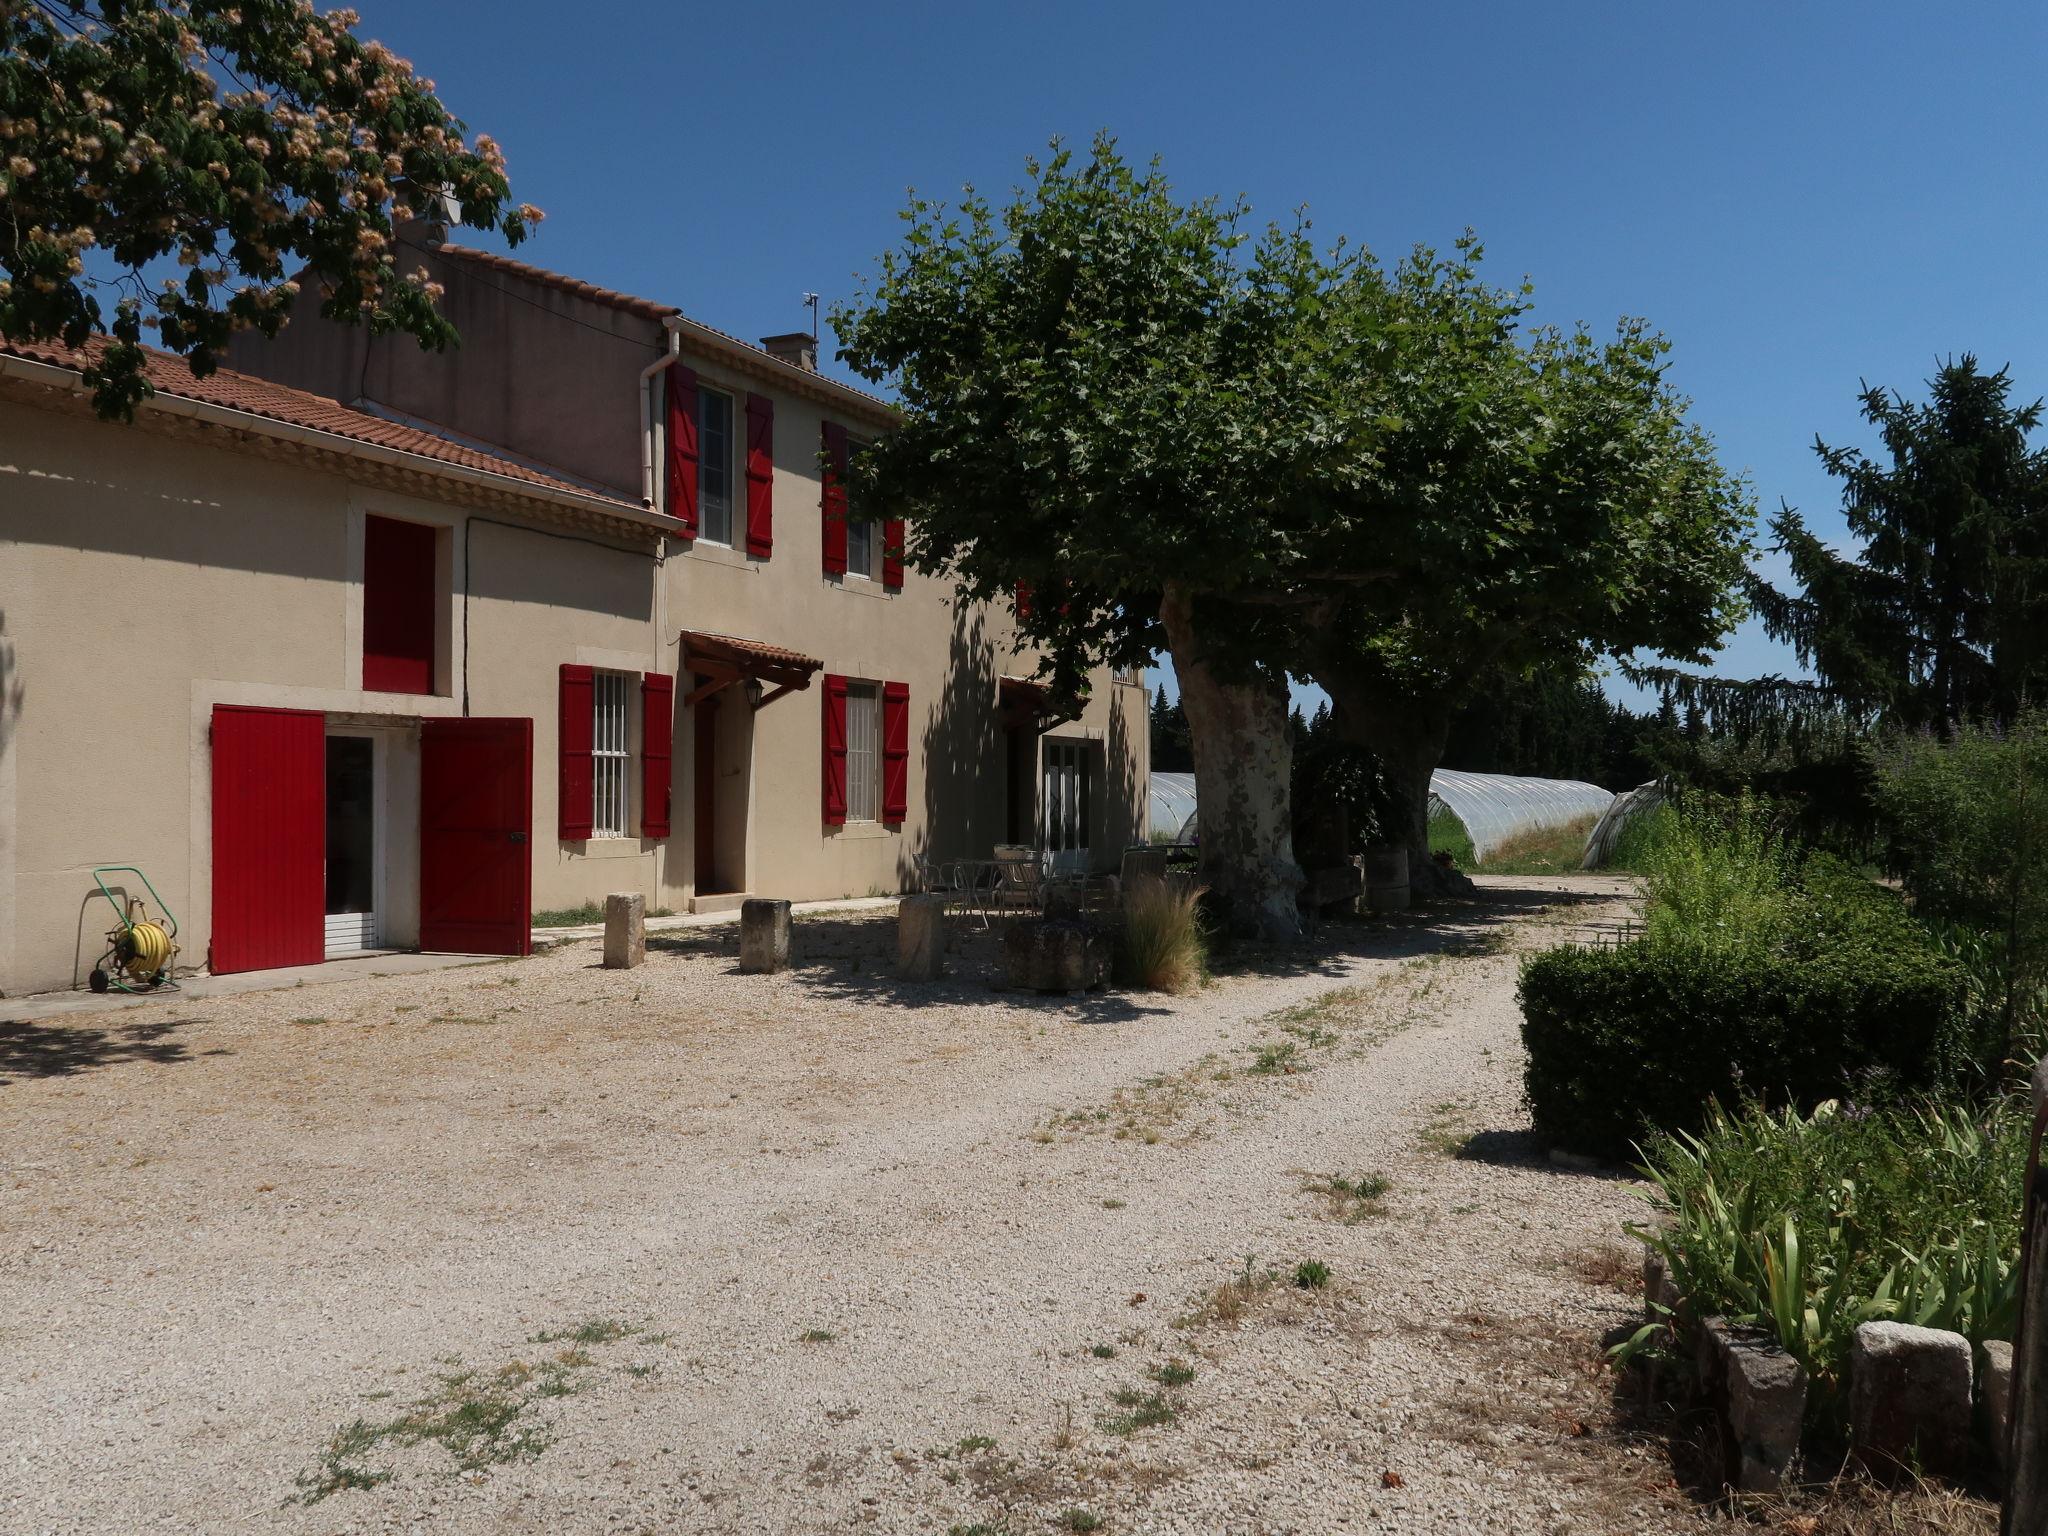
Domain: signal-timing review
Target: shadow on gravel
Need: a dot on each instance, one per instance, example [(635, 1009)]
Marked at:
[(60, 1050), (853, 956), (1522, 1149)]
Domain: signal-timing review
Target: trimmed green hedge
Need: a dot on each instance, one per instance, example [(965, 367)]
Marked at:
[(1642, 1038)]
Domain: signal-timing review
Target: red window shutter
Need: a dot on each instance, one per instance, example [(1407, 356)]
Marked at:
[(892, 552), (575, 736), (269, 838), (760, 476), (1023, 600), (682, 446), (832, 498), (657, 725), (398, 606), (895, 751), (835, 751)]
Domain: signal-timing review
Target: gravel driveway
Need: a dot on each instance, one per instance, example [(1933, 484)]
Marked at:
[(535, 1246)]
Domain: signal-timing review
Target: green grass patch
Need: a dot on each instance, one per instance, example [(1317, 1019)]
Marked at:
[(1142, 1410)]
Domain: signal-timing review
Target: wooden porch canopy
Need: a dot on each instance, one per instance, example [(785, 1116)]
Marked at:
[(719, 661), (1024, 704)]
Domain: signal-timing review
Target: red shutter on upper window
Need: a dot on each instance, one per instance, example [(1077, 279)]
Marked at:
[(832, 498), (895, 751), (575, 733), (657, 725), (892, 552), (682, 446), (398, 606), (835, 750), (760, 476)]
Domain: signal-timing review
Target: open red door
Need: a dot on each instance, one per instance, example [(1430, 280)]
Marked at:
[(269, 838), (476, 825)]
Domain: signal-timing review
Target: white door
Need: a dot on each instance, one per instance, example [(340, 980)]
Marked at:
[(1067, 806), (355, 841)]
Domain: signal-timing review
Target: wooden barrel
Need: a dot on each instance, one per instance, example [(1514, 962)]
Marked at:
[(1386, 877)]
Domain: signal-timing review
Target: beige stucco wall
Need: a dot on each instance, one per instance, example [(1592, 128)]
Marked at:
[(144, 579), (561, 372), (951, 656)]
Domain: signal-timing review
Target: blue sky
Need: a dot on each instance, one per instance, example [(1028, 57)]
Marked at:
[(1799, 195)]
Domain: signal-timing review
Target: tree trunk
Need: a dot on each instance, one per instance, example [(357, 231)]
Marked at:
[(1244, 761), (1408, 736)]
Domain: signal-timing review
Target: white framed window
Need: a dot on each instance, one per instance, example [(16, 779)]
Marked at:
[(863, 751), (610, 753), (860, 550), (714, 466)]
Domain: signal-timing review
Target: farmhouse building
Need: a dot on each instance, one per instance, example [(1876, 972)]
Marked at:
[(357, 647)]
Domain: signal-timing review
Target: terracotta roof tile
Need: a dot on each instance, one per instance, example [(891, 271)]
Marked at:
[(296, 407), (611, 298), (743, 653)]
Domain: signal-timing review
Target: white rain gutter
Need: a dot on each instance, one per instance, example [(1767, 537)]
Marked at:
[(56, 375), (673, 324)]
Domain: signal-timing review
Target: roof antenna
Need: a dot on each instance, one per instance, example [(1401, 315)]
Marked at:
[(811, 303)]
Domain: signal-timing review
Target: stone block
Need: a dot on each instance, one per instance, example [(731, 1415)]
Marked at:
[(1994, 1399), (625, 930), (1056, 955), (1909, 1399), (1660, 1292), (1763, 1398), (764, 936), (921, 937)]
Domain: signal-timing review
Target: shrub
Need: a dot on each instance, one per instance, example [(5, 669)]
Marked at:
[(1756, 976), (1162, 947), (1808, 1226), (1968, 822), (1642, 1038)]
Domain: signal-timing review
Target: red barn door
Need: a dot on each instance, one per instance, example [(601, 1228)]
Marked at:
[(476, 825), (269, 838)]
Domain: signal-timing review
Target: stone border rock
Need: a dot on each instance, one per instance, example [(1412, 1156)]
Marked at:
[(1913, 1394)]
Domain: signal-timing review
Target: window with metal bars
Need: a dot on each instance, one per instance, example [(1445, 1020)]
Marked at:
[(609, 754), (863, 752)]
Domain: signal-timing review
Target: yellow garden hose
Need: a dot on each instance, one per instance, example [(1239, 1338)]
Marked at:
[(148, 950)]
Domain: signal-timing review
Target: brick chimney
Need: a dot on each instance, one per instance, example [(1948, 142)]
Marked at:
[(795, 347)]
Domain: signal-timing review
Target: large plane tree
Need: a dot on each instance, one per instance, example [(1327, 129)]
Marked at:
[(1536, 497), (1132, 409)]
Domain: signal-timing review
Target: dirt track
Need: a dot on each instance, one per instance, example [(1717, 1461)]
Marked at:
[(678, 1249)]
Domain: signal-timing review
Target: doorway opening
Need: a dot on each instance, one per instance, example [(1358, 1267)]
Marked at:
[(721, 763), (355, 862), (1069, 806)]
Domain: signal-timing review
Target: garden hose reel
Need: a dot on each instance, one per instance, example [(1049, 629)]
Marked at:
[(142, 950)]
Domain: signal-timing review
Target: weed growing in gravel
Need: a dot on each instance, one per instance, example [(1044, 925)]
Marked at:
[(311, 1019), (1142, 1410), (1103, 1351), (1447, 1129), (480, 1420), (1080, 1520), (816, 1336), (1354, 1199), (1311, 1275), (1113, 1205), (1227, 1303), (599, 1330), (971, 1444), (1063, 1438), (1174, 1373)]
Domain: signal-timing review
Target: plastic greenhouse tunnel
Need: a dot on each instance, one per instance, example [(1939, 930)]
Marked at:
[(1495, 808)]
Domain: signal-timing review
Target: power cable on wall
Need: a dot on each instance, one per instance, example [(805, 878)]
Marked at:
[(656, 557)]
